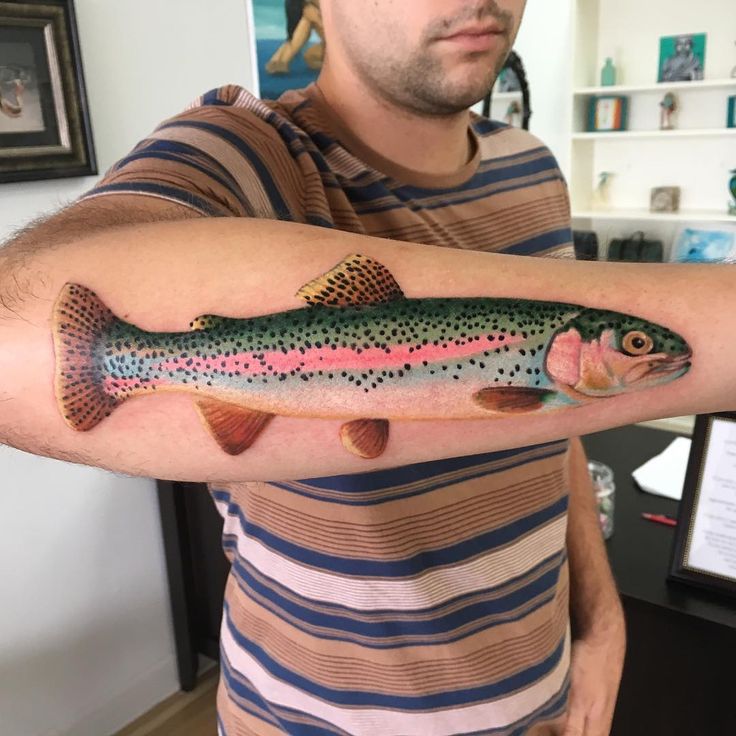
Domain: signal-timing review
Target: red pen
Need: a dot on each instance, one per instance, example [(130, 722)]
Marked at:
[(659, 519)]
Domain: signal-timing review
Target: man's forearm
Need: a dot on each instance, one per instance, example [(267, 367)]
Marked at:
[(594, 601), (300, 363)]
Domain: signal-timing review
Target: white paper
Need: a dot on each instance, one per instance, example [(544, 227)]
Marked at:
[(712, 546), (664, 474)]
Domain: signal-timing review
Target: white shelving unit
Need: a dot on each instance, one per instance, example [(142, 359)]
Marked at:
[(696, 156), (700, 216), (657, 87)]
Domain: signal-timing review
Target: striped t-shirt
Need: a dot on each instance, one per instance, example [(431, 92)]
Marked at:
[(424, 600)]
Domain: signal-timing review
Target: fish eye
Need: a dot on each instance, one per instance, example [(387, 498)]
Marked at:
[(637, 343)]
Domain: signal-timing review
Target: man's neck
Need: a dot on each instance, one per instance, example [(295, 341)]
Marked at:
[(422, 143)]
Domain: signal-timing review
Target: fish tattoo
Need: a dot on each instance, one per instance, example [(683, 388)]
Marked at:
[(360, 351)]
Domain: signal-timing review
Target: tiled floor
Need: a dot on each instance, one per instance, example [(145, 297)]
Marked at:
[(183, 714)]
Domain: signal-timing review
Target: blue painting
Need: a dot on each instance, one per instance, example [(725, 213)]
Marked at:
[(705, 246), (289, 44)]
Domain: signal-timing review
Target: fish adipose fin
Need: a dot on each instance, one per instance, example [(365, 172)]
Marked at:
[(80, 320), (354, 281), (512, 399), (365, 438), (234, 427)]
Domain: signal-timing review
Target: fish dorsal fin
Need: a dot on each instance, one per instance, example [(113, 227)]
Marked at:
[(365, 437), (234, 427), (205, 322), (355, 280), (512, 399)]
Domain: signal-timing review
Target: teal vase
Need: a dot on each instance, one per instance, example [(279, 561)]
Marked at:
[(608, 73)]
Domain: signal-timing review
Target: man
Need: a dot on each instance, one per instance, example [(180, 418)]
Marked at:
[(414, 594)]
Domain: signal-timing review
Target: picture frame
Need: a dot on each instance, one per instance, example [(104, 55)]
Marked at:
[(45, 130), (664, 199), (608, 113), (288, 44), (682, 58), (704, 549)]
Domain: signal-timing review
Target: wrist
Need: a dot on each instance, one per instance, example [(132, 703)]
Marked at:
[(601, 622)]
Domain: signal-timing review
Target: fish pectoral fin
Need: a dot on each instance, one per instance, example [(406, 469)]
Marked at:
[(365, 438), (512, 399), (355, 280), (234, 427)]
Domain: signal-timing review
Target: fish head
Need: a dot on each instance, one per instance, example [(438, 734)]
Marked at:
[(601, 353)]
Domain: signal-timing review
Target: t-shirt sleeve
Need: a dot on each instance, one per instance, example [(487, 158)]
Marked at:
[(215, 157)]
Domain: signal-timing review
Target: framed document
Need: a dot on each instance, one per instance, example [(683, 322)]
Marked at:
[(608, 113), (704, 552)]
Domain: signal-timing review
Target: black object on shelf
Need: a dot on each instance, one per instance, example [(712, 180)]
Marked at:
[(586, 245), (635, 248)]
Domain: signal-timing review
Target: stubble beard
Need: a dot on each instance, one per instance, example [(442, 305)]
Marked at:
[(420, 84)]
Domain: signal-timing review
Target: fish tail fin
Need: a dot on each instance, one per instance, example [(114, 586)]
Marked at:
[(80, 320)]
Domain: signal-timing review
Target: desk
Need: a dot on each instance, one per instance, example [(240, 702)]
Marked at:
[(680, 668)]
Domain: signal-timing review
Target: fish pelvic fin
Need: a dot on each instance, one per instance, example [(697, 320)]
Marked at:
[(366, 438), (79, 321), (234, 427), (354, 281), (513, 399)]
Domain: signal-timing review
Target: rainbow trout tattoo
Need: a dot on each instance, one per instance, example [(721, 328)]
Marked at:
[(359, 351)]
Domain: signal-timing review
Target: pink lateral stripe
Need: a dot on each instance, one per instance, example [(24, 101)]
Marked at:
[(326, 359)]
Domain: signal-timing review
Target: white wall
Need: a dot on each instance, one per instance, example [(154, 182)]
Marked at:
[(544, 43), (85, 634)]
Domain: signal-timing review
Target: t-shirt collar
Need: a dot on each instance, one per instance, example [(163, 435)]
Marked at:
[(376, 161)]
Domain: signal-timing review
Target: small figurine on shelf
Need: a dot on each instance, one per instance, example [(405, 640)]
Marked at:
[(513, 112), (600, 193), (608, 73), (732, 188), (668, 106)]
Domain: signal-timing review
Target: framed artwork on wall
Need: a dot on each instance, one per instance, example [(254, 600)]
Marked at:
[(704, 552), (608, 113), (682, 58), (45, 130), (289, 44)]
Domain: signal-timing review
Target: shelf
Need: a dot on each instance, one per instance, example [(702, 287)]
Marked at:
[(500, 96), (636, 214), (683, 425), (657, 87), (677, 133)]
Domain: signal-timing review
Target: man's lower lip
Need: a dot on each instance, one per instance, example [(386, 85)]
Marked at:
[(473, 41)]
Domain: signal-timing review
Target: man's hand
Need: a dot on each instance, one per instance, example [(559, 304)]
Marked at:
[(598, 627), (597, 663)]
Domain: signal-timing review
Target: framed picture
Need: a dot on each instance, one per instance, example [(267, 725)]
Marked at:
[(664, 199), (704, 553), (608, 113), (714, 244), (44, 122), (289, 44), (682, 58)]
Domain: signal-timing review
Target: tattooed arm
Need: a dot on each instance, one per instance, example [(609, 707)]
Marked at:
[(228, 348)]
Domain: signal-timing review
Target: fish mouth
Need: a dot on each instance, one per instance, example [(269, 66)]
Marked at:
[(662, 367)]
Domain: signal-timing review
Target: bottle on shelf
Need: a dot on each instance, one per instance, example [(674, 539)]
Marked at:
[(608, 73)]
